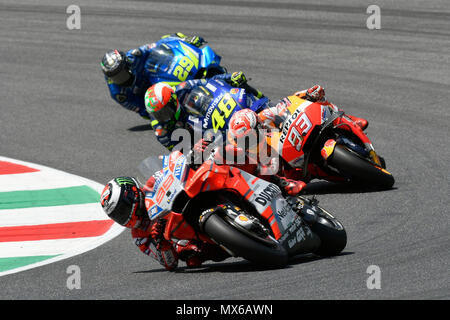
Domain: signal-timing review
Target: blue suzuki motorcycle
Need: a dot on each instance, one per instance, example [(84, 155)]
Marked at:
[(173, 60)]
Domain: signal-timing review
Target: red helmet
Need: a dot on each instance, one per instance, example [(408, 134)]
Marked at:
[(242, 127), (124, 202), (161, 102)]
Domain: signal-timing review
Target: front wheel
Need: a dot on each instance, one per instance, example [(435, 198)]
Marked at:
[(359, 170), (270, 254), (332, 234), (333, 237)]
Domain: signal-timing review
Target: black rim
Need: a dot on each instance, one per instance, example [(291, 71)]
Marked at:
[(266, 240)]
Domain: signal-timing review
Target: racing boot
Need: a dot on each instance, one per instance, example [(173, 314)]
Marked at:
[(189, 253), (195, 255), (362, 123)]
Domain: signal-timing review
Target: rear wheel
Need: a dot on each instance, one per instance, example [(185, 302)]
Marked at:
[(358, 169), (264, 252)]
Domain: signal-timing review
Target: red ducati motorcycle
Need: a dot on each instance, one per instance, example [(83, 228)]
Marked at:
[(243, 215)]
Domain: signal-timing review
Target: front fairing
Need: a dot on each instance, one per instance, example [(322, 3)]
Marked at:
[(287, 226), (173, 60), (294, 131), (299, 126), (170, 180), (181, 61), (209, 58), (257, 105)]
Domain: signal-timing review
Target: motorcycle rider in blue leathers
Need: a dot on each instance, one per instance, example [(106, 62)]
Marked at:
[(166, 105), (127, 73)]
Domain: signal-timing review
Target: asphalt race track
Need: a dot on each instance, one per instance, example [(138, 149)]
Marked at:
[(56, 111)]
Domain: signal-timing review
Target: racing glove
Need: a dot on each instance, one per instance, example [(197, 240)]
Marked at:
[(197, 155), (157, 233), (201, 145), (239, 80), (176, 35), (149, 185), (288, 186), (195, 40)]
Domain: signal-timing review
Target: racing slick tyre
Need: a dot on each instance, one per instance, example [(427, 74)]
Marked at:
[(360, 170), (271, 255), (333, 237)]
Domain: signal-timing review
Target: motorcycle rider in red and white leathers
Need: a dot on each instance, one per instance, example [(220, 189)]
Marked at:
[(273, 116), (123, 200), (246, 122)]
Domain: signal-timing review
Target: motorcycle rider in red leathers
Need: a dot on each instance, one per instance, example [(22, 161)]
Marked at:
[(123, 200)]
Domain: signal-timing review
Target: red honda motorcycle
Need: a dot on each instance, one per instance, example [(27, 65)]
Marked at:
[(243, 215), (316, 140)]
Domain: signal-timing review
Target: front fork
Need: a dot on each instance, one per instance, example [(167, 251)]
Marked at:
[(330, 145), (349, 125)]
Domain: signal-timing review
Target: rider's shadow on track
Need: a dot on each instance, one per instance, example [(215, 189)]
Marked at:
[(141, 127), (326, 187), (243, 265)]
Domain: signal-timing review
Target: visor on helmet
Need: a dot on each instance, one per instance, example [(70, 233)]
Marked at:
[(115, 67), (166, 113), (198, 101), (123, 201)]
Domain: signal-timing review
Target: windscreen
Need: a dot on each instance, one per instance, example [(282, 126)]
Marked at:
[(198, 101), (149, 166), (159, 59)]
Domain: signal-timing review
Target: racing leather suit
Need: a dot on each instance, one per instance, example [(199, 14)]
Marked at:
[(148, 237), (132, 97), (273, 117)]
